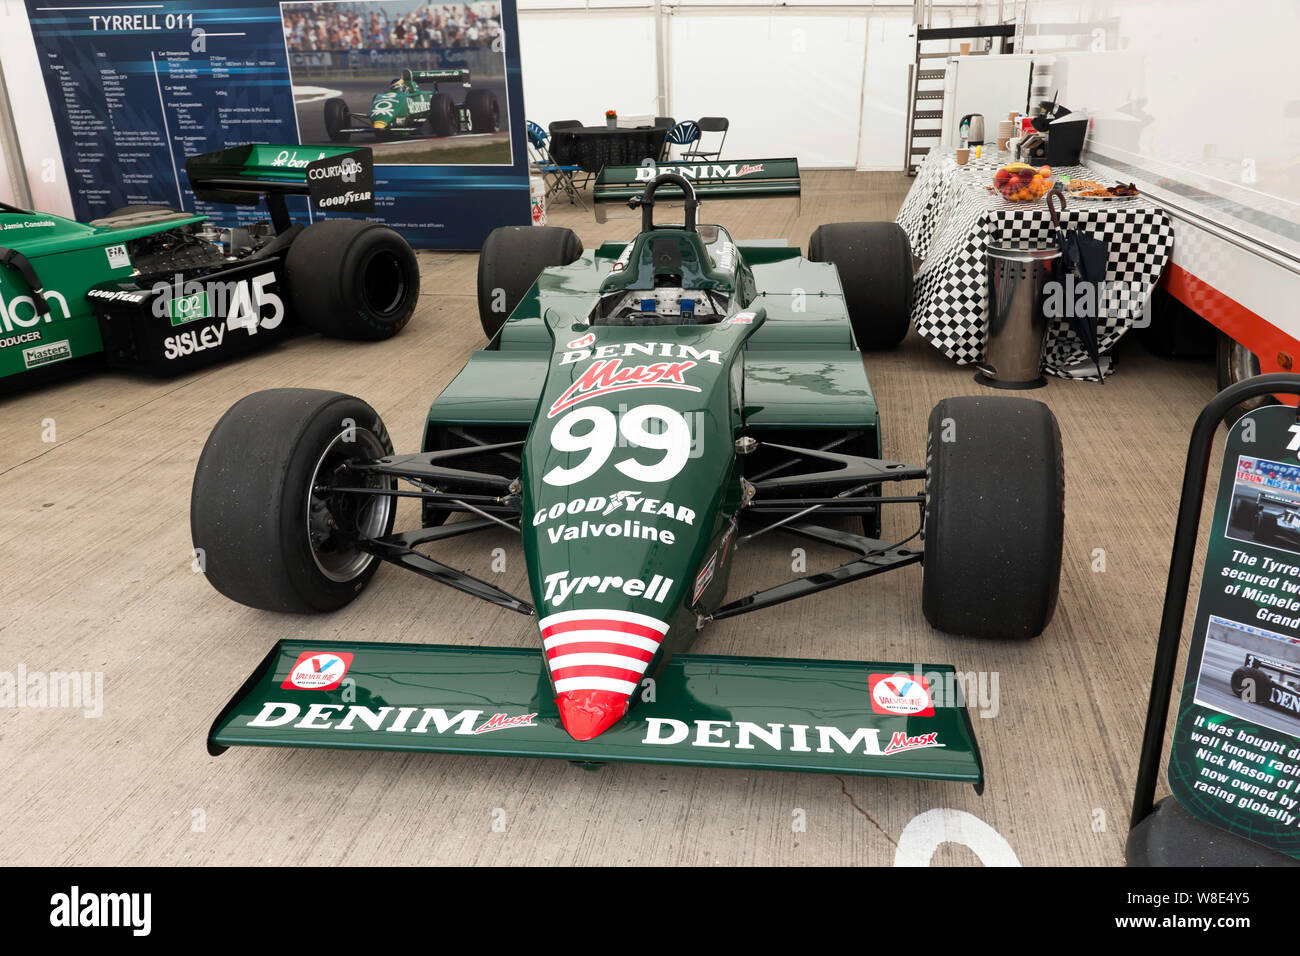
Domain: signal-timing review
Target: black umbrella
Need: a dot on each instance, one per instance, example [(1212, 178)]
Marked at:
[(1083, 257)]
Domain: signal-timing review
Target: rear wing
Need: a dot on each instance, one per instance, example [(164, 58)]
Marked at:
[(1269, 663), (726, 179), (242, 175), (723, 179), (437, 76), (1266, 498)]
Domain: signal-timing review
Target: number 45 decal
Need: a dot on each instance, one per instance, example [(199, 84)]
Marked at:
[(246, 301)]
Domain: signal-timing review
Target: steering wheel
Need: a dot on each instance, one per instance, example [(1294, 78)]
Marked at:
[(647, 200)]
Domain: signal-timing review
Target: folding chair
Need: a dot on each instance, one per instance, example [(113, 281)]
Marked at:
[(709, 124), (556, 127), (683, 134), (558, 179)]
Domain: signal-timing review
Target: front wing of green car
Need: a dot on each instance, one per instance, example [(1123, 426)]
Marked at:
[(874, 719)]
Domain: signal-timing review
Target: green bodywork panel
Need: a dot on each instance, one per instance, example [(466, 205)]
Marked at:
[(70, 258), (805, 312), (765, 713)]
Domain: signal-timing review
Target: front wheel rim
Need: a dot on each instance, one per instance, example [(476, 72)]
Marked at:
[(335, 521)]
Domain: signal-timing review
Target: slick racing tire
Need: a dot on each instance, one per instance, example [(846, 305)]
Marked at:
[(338, 118), (1244, 514), (509, 263), (484, 111), (1250, 684), (351, 279), (441, 120), (994, 517), (267, 530), (874, 262)]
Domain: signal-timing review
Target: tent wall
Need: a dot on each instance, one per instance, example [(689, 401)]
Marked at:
[(825, 81)]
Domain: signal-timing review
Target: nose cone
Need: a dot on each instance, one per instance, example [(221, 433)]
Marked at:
[(589, 713), (597, 659)]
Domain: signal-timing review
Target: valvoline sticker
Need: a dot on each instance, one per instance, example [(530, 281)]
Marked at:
[(900, 695), (318, 670)]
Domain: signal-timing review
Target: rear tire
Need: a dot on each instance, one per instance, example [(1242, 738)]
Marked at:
[(441, 120), (352, 279), (994, 517), (874, 262), (338, 119), (511, 259), (1266, 528), (1260, 683), (258, 522), (484, 111)]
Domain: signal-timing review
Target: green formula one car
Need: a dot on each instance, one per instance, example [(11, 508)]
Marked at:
[(640, 415), (152, 289), (413, 106)]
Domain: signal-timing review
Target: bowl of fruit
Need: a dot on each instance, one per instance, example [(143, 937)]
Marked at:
[(1020, 182)]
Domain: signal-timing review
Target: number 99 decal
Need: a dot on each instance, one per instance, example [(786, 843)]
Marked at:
[(674, 440)]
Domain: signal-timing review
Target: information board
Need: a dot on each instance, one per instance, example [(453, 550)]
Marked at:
[(433, 90), (1235, 760)]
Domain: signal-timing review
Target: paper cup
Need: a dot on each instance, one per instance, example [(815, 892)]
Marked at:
[(963, 157), (965, 49)]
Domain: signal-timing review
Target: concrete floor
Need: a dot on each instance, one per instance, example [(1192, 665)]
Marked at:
[(96, 569)]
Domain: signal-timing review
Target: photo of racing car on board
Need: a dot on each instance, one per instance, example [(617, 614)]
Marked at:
[(1267, 519), (1251, 673), (637, 416), (414, 106), (418, 82)]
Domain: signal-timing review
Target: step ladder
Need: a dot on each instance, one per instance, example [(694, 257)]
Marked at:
[(926, 78)]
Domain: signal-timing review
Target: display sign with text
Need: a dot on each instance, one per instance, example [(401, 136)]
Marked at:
[(433, 90), (1235, 760)]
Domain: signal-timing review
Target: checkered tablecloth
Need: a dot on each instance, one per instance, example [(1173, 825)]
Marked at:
[(955, 219)]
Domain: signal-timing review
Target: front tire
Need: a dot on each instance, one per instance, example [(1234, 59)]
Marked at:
[(352, 279), (994, 517), (874, 262), (338, 119), (484, 111), (509, 263), (269, 532)]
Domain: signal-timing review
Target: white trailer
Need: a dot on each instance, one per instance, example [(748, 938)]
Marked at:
[(1197, 102)]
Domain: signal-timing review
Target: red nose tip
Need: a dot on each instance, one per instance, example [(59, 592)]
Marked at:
[(589, 713)]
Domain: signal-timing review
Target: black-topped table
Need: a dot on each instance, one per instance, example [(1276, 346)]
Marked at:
[(591, 147)]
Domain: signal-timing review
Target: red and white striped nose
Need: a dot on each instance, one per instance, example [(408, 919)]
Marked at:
[(597, 659)]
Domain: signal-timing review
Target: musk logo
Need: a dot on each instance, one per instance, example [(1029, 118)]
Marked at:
[(602, 378)]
